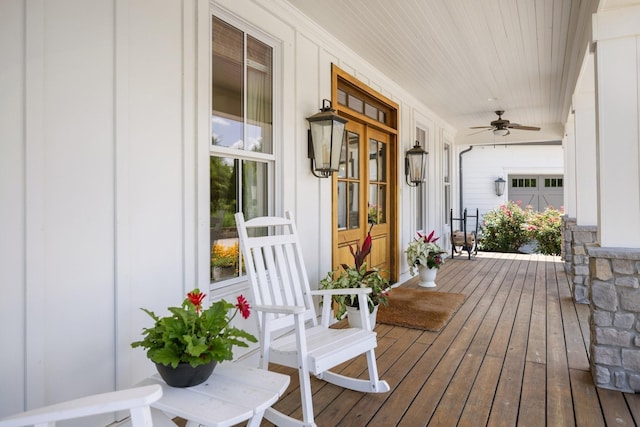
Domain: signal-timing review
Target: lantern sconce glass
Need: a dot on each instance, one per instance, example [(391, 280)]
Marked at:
[(499, 186), (324, 140), (415, 165)]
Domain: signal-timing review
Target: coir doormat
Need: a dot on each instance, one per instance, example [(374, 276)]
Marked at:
[(419, 308)]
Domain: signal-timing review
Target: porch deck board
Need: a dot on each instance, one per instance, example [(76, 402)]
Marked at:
[(515, 353)]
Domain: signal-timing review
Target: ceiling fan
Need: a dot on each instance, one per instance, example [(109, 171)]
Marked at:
[(501, 126)]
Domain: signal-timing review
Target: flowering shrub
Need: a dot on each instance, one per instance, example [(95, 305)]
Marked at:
[(193, 335), (509, 227), (546, 229), (502, 229)]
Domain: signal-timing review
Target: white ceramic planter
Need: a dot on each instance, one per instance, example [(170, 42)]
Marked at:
[(427, 276), (353, 313)]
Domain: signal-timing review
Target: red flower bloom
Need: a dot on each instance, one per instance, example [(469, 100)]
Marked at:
[(243, 306), (195, 297)]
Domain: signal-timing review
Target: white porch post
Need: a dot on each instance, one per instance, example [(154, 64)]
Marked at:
[(582, 233), (616, 34), (614, 265)]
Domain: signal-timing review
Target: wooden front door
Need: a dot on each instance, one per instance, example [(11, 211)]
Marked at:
[(361, 200)]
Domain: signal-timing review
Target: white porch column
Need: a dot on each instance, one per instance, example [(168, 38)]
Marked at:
[(614, 266), (584, 108), (583, 232), (617, 37)]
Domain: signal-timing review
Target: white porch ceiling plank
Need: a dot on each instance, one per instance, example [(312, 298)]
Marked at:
[(453, 55)]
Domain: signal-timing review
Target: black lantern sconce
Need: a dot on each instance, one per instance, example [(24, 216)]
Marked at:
[(499, 184), (415, 165), (325, 138)]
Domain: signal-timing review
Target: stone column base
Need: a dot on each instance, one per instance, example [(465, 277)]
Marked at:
[(615, 318), (582, 238)]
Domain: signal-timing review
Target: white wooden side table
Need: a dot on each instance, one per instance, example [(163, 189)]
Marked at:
[(234, 393)]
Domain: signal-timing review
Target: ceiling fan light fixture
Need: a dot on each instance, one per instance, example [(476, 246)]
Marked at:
[(501, 132)]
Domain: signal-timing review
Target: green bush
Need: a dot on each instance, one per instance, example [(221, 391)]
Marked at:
[(509, 227)]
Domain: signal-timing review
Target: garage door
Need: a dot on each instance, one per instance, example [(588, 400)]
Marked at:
[(538, 191)]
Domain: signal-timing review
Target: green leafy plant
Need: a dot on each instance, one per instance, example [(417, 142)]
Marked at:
[(346, 277), (424, 250), (193, 335)]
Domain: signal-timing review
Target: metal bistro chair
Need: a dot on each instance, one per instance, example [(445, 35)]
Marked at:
[(282, 296)]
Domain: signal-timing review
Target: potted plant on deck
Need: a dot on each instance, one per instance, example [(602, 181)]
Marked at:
[(187, 345), (357, 276), (424, 253)]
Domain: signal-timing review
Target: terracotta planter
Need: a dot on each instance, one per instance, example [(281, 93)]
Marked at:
[(185, 375), (427, 276)]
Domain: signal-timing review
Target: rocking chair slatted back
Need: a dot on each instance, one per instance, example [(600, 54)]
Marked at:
[(278, 269)]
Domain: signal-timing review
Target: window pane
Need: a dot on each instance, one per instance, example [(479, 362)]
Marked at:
[(223, 234), (382, 162), (259, 97), (227, 118), (254, 189)]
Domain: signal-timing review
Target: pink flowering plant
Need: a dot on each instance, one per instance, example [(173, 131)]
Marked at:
[(195, 335), (423, 250), (357, 276), (509, 227)]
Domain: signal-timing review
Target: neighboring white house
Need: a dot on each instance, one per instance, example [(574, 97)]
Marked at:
[(483, 164)]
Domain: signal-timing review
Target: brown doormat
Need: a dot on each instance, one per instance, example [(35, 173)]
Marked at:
[(419, 308)]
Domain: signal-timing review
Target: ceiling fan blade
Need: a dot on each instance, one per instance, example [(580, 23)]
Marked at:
[(521, 127), (481, 127), (480, 131)]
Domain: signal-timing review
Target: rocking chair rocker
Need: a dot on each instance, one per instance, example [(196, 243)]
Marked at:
[(282, 296)]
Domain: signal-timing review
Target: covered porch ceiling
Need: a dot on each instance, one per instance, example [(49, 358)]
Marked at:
[(465, 59)]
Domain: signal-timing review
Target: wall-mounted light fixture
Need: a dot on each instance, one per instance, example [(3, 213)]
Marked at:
[(499, 185), (415, 165), (325, 138)]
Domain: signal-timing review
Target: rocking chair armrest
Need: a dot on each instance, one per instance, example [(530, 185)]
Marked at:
[(345, 291), (284, 309)]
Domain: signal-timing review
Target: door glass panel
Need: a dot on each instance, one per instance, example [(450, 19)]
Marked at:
[(382, 162), (373, 160), (342, 205), (354, 202), (353, 142), (377, 203), (374, 208)]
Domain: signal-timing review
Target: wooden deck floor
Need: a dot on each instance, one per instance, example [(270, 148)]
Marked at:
[(516, 353)]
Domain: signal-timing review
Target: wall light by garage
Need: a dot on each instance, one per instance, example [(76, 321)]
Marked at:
[(499, 186)]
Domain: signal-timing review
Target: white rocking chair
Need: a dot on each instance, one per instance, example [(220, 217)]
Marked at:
[(136, 400), (282, 296)]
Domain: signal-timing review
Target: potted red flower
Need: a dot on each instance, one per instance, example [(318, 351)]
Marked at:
[(192, 340)]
